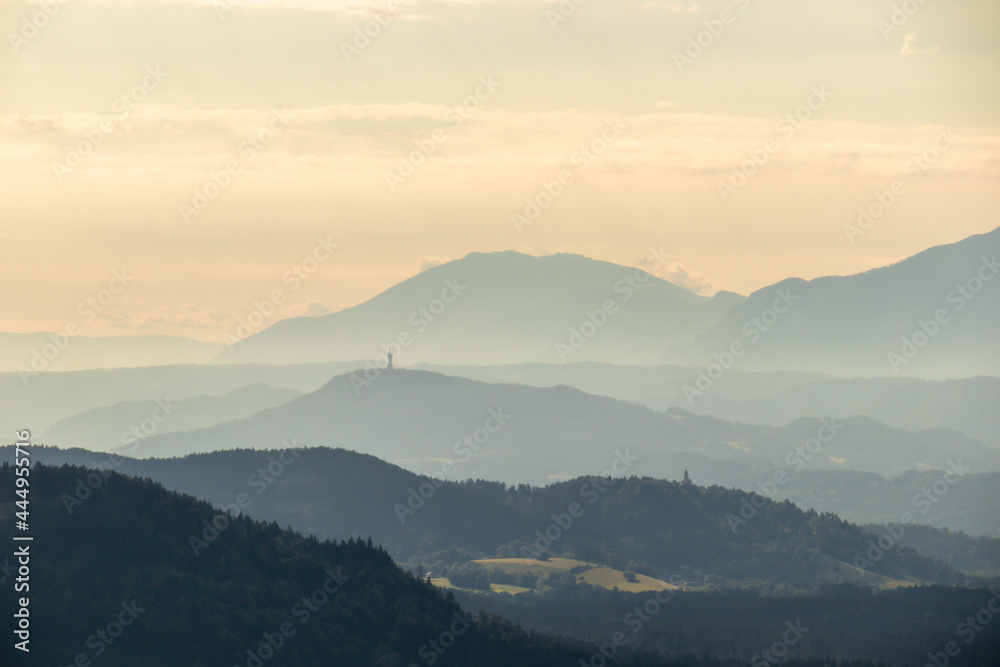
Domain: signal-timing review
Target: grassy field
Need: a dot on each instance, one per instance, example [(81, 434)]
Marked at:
[(856, 575), (441, 582), (590, 573)]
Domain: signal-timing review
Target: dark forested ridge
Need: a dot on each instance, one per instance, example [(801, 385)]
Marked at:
[(732, 537), (124, 562), (902, 627), (138, 575)]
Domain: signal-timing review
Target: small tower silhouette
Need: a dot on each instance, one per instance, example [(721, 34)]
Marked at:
[(389, 367), (687, 480)]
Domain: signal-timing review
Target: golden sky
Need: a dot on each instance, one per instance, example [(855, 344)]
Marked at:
[(205, 146)]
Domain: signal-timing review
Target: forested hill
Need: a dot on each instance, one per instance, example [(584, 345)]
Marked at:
[(730, 534), (119, 582)]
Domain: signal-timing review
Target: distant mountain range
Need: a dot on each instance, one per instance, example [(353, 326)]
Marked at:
[(134, 421), (33, 353), (495, 308), (967, 405), (425, 421), (933, 315)]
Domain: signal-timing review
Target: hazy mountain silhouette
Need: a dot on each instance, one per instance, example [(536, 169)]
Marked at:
[(505, 307), (57, 352), (129, 422), (51, 397), (499, 308), (422, 420), (773, 397), (849, 325)]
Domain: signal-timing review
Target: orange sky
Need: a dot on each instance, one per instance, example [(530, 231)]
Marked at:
[(206, 150)]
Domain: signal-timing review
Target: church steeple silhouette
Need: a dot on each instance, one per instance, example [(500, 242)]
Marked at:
[(687, 480), (389, 366)]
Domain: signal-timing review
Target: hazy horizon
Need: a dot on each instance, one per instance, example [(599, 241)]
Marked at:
[(666, 124)]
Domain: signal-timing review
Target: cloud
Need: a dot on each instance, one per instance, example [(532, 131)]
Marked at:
[(425, 263), (188, 316), (354, 138), (910, 49), (681, 276), (669, 8), (312, 308)]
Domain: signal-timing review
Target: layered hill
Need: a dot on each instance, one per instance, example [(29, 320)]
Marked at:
[(932, 315), (130, 422), (730, 534), (504, 307), (936, 313), (138, 575), (27, 353), (424, 421)]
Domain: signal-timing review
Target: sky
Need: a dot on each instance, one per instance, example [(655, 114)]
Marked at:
[(192, 155)]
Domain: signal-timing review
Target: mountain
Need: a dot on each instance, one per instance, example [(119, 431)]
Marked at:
[(729, 534), (968, 405), (503, 307), (427, 422), (934, 315), (53, 396), (138, 575), (31, 353), (129, 422)]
